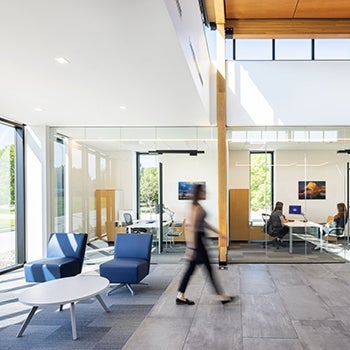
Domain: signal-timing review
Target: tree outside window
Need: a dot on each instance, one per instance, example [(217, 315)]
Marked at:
[(261, 180)]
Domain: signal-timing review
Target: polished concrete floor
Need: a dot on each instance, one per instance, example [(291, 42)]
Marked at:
[(302, 306)]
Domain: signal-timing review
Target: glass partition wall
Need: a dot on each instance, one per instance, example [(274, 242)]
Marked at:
[(87, 160), (305, 168)]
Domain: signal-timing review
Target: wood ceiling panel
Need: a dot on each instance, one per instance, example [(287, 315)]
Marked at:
[(323, 9), (290, 28), (244, 9), (283, 18), (288, 18)]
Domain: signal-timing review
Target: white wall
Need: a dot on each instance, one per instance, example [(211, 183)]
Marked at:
[(238, 170), (124, 177), (188, 25), (287, 93), (311, 166), (177, 168), (293, 166)]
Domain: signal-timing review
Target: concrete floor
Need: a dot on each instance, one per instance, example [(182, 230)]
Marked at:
[(302, 306)]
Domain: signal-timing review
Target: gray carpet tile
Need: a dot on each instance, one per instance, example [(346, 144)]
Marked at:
[(97, 329)]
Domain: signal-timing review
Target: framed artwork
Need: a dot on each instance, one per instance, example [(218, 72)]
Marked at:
[(312, 190), (185, 189)]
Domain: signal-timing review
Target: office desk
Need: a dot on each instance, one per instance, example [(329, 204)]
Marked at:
[(300, 224), (152, 226)]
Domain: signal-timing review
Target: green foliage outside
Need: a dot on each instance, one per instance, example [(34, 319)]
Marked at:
[(149, 187), (7, 175), (7, 187), (260, 181)]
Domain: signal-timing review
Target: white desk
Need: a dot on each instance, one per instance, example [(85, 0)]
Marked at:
[(300, 224), (63, 291), (149, 224), (152, 226)]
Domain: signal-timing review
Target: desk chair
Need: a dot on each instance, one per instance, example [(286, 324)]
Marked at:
[(129, 223), (338, 231), (174, 230), (268, 230), (333, 235)]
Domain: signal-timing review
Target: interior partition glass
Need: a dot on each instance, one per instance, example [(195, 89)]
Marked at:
[(77, 189), (310, 177)]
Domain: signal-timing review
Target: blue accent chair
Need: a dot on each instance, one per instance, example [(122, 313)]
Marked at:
[(131, 262), (65, 256)]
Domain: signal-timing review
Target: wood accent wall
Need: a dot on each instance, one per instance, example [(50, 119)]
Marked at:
[(239, 214)]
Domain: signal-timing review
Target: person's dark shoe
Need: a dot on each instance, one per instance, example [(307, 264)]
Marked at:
[(184, 302), (229, 300)]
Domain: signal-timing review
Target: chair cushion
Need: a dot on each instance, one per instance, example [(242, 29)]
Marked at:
[(133, 246), (51, 268), (125, 270)]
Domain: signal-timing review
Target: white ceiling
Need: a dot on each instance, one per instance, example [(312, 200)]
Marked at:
[(121, 53)]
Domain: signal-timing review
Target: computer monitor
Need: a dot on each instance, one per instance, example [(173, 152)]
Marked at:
[(295, 209)]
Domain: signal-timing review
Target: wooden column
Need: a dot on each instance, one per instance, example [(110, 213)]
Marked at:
[(221, 143)]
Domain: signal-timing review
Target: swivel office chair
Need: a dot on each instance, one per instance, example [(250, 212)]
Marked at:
[(174, 230), (130, 225), (268, 230)]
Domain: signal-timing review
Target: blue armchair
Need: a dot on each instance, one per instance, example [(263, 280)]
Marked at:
[(65, 256), (131, 262)]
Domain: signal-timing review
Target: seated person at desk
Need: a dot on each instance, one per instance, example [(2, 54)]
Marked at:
[(336, 224), (277, 222)]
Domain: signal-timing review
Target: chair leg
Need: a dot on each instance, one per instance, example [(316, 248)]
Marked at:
[(130, 289), (115, 288), (270, 242), (127, 285)]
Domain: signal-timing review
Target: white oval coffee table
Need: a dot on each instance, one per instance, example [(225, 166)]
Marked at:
[(62, 291)]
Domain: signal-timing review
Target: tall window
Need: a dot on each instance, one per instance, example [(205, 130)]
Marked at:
[(261, 184), (59, 156), (148, 185), (11, 195)]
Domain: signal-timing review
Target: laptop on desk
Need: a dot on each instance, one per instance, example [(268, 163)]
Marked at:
[(297, 214)]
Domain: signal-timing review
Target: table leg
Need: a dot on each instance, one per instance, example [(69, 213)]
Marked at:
[(290, 240), (27, 320), (73, 320), (98, 297)]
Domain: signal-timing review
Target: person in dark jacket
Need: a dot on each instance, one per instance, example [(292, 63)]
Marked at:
[(277, 222)]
